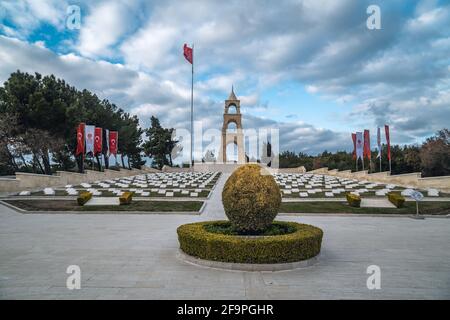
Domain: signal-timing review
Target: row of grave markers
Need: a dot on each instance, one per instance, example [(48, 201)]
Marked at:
[(177, 183)]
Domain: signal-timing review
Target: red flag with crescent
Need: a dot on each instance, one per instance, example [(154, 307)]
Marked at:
[(188, 53), (113, 141), (388, 141), (367, 153), (80, 139), (354, 145), (98, 140)]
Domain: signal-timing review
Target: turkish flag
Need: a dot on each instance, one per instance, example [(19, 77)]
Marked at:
[(80, 139), (188, 53), (359, 145), (367, 144), (98, 140), (354, 145), (113, 141), (388, 141)]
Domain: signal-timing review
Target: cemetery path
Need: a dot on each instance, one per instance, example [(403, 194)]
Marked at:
[(214, 207), (134, 256)]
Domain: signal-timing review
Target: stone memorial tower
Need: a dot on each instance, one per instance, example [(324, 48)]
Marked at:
[(236, 137)]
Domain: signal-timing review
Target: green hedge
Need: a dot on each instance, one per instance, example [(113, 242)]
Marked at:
[(302, 244), (397, 199), (353, 200), (83, 198), (126, 198)]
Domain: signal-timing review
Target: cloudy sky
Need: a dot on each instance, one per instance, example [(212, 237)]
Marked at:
[(311, 68)]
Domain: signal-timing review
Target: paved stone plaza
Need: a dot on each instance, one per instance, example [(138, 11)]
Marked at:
[(125, 256)]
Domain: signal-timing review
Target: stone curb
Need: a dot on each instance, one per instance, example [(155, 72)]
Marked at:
[(295, 214), (20, 210), (426, 199), (249, 267), (75, 198), (202, 208)]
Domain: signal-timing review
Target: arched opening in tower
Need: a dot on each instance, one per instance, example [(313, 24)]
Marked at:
[(232, 127), (232, 109), (232, 152)]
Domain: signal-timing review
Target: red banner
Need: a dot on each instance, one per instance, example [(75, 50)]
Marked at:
[(354, 145), (113, 142), (388, 141), (188, 53), (367, 144), (80, 139), (98, 141)]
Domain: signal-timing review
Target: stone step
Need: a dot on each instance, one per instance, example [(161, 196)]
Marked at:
[(376, 203), (103, 201)]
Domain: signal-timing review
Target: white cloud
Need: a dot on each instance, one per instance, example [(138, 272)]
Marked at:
[(103, 28), (27, 15), (40, 44), (220, 82), (323, 46), (149, 47), (144, 95), (430, 20), (312, 89)]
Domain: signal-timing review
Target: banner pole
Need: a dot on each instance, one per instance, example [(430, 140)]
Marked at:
[(192, 112), (380, 160)]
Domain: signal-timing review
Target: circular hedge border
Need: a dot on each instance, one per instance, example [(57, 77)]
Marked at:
[(300, 245)]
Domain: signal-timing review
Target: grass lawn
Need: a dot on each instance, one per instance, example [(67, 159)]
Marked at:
[(71, 205), (435, 207)]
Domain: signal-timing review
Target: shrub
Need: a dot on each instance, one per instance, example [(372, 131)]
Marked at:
[(84, 197), (273, 230), (397, 199), (302, 244), (353, 200), (251, 200), (126, 198)]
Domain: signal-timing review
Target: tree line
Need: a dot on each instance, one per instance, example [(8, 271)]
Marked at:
[(39, 116), (431, 158), (38, 120)]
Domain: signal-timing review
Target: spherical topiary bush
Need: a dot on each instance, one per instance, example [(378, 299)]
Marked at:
[(251, 199)]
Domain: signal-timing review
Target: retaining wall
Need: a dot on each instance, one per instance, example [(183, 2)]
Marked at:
[(32, 181), (409, 179), (209, 167)]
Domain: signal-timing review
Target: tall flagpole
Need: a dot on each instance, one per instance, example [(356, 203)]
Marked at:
[(192, 111), (379, 144)]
